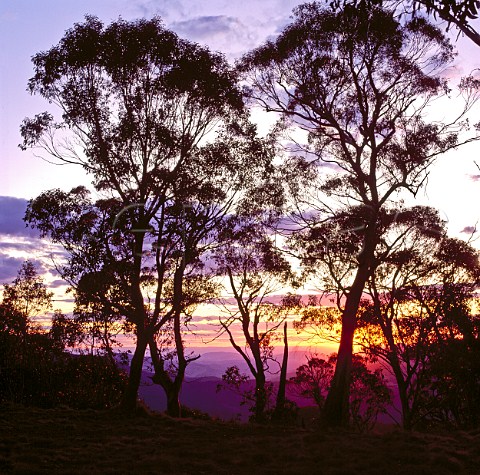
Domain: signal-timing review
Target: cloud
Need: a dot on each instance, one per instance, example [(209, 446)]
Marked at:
[(20, 245), (9, 267), (221, 32), (202, 28), (12, 211), (230, 27), (57, 283), (469, 229)]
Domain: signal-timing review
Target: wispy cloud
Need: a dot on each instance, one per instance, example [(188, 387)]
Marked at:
[(233, 28), (57, 283), (221, 32)]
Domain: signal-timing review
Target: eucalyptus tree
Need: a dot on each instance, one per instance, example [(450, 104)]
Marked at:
[(461, 14), (255, 270), (356, 83), (420, 301), (407, 301), (159, 124)]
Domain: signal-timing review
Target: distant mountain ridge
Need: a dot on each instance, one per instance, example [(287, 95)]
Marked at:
[(199, 391)]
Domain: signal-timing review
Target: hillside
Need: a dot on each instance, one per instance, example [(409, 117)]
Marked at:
[(73, 442)]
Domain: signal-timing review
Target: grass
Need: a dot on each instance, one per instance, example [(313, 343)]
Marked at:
[(65, 441)]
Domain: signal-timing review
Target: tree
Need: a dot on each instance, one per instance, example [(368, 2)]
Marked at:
[(167, 349), (369, 394), (410, 300), (313, 379), (141, 110), (255, 269), (419, 304), (25, 298), (356, 82), (457, 13), (35, 369)]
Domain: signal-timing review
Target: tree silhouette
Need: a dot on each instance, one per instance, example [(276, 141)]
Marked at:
[(255, 270), (419, 290), (312, 379), (141, 110), (34, 367), (25, 298), (357, 83), (418, 304), (369, 394), (458, 13)]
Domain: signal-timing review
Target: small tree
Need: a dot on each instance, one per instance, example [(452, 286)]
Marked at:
[(312, 379), (25, 298), (369, 394), (254, 270)]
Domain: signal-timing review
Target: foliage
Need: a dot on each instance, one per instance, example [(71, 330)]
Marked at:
[(240, 383), (454, 384), (356, 83), (369, 394), (313, 379), (25, 298), (159, 124), (46, 376), (458, 13), (34, 367)]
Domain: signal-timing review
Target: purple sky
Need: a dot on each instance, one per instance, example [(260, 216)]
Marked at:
[(30, 26)]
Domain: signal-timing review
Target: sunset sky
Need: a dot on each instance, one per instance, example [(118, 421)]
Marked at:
[(30, 26)]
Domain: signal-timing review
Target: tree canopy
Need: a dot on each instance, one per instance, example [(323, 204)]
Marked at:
[(159, 123)]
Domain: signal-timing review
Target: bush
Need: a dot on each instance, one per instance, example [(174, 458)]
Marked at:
[(35, 371)]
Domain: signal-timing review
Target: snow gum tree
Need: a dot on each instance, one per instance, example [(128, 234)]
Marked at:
[(357, 83), (159, 124)]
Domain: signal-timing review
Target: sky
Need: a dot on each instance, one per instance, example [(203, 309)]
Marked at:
[(30, 26)]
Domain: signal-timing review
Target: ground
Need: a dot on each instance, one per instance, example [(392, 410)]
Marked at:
[(73, 442)]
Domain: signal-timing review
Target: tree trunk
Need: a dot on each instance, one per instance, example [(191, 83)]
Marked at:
[(172, 387), (260, 398), (174, 409), (129, 402), (336, 409), (279, 412), (402, 392)]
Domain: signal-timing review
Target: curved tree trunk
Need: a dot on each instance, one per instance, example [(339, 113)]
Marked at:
[(129, 403), (336, 409)]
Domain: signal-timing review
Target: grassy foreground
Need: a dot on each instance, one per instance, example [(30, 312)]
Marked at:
[(67, 442)]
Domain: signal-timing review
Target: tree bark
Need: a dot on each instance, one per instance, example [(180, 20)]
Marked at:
[(129, 402), (336, 409), (260, 397), (174, 408)]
